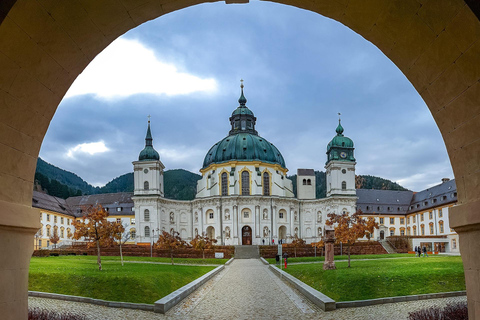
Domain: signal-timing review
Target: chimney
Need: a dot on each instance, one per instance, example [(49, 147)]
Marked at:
[(445, 180)]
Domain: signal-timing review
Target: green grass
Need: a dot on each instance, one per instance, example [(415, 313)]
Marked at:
[(382, 278), (134, 282), (345, 257)]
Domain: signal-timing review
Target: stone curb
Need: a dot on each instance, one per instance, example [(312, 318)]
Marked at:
[(169, 301), (229, 261), (111, 304), (264, 261), (364, 303), (318, 298)]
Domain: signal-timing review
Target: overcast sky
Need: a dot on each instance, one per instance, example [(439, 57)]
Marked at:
[(299, 69)]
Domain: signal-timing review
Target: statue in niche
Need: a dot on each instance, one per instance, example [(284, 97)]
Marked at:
[(196, 232), (319, 217), (227, 232), (296, 231), (319, 232), (227, 215), (265, 214), (295, 216), (196, 217), (265, 232), (172, 217)]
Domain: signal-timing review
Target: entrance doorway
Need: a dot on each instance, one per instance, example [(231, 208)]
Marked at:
[(246, 235), (382, 235)]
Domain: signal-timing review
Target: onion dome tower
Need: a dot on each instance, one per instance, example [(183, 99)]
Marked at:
[(148, 170), (340, 166)]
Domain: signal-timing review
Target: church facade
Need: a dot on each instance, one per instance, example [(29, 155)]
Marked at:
[(244, 196)]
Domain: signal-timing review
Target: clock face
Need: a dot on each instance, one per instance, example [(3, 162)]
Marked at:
[(145, 171), (343, 155)]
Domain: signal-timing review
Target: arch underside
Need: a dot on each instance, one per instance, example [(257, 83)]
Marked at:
[(45, 45)]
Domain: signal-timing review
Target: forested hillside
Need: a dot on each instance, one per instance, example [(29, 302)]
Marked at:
[(179, 184)]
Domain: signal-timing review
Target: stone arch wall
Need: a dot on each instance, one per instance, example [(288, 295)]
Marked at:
[(45, 45)]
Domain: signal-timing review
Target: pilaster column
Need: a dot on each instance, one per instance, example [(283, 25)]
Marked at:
[(274, 222), (235, 221), (257, 221)]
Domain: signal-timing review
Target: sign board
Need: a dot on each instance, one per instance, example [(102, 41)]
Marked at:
[(280, 250), (218, 255)]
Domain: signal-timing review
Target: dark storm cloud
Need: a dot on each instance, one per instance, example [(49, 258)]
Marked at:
[(300, 69)]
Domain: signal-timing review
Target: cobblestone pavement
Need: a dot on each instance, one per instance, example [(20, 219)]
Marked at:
[(245, 290)]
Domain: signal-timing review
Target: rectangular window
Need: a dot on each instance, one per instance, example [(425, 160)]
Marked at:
[(454, 244), (48, 217), (392, 220), (441, 227), (61, 220), (132, 221), (224, 184), (54, 219), (414, 219), (440, 213), (280, 215), (430, 215), (408, 220), (68, 221), (119, 220), (61, 234), (119, 209), (48, 232), (402, 220), (245, 183), (431, 229), (402, 232), (211, 215), (421, 216), (381, 220)]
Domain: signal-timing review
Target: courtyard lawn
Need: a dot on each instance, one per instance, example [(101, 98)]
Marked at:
[(371, 279), (345, 257), (165, 260), (134, 282)]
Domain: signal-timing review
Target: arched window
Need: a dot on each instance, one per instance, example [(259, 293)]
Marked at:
[(146, 185), (146, 215), (309, 182), (266, 184), (133, 233), (344, 185), (440, 225), (147, 231), (245, 183), (304, 182), (224, 184)]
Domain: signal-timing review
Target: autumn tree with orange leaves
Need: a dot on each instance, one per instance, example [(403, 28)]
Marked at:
[(95, 229), (55, 238), (350, 228), (202, 242), (170, 241), (296, 243)]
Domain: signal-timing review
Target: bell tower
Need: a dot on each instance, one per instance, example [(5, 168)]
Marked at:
[(148, 170), (340, 166)]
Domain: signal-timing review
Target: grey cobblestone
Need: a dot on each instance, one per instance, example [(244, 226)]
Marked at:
[(245, 290)]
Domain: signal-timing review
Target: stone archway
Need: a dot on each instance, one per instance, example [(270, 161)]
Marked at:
[(45, 45)]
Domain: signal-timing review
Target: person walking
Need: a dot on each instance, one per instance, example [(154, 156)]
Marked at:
[(425, 251), (416, 251), (419, 250)]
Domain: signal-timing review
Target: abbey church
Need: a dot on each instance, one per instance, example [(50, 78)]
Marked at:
[(245, 198)]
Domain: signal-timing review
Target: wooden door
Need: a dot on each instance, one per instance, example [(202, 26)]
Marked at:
[(246, 235)]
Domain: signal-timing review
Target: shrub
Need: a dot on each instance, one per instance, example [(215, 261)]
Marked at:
[(41, 314), (54, 254), (452, 311)]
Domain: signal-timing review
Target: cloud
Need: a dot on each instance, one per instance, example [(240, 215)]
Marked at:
[(90, 148), (126, 67)]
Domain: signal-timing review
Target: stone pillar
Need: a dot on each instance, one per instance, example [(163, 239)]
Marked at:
[(274, 223), (235, 222), (465, 219), (257, 221), (291, 220), (329, 248)]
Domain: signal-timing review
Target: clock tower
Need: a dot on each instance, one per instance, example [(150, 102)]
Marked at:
[(340, 166)]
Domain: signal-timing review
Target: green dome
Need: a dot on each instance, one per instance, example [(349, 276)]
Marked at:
[(242, 110), (243, 147), (340, 141), (148, 154)]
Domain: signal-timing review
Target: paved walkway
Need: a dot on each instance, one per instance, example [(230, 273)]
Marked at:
[(245, 290)]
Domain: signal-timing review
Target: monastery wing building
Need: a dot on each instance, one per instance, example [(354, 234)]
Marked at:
[(245, 198)]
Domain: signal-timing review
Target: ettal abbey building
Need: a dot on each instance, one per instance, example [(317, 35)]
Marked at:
[(245, 198)]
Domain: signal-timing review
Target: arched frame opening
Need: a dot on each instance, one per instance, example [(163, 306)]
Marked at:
[(44, 46)]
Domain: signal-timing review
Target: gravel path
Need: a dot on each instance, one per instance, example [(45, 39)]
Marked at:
[(246, 289)]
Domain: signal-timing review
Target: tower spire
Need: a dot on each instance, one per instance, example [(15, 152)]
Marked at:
[(242, 100), (148, 137), (339, 129)]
